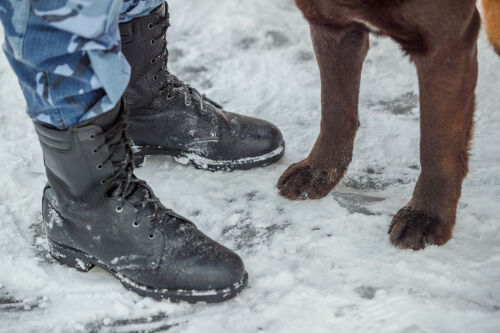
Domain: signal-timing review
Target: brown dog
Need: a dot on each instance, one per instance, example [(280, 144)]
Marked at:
[(440, 36)]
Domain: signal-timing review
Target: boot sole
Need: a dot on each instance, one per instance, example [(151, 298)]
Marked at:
[(84, 263), (200, 162)]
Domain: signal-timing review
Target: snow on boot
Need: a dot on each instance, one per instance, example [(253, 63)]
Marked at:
[(168, 117), (97, 213)]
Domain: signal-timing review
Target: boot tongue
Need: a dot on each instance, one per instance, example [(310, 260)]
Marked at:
[(135, 193), (123, 168), (121, 158)]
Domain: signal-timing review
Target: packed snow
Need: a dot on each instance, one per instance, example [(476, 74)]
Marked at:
[(314, 266)]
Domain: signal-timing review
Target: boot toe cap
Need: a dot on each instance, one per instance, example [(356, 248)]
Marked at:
[(252, 137), (197, 262), (208, 273), (219, 273)]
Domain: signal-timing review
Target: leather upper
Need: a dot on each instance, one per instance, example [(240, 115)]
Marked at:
[(120, 222), (164, 112)]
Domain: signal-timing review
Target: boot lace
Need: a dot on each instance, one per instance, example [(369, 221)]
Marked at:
[(169, 80), (124, 185)]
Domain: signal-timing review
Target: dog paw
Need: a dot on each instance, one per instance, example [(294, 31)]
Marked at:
[(415, 230), (301, 181)]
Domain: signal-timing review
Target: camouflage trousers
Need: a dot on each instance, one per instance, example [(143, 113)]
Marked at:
[(67, 55)]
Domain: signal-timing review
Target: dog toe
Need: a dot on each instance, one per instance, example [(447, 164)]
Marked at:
[(293, 182), (415, 230), (301, 181)]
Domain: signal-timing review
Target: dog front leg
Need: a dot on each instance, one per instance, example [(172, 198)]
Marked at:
[(340, 52), (447, 76)]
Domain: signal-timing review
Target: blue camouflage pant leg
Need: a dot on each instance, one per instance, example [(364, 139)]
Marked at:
[(66, 54), (133, 9)]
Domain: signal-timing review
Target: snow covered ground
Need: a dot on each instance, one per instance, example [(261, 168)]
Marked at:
[(316, 266)]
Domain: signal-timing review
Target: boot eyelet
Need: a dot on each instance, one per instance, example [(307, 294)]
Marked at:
[(99, 166), (135, 224), (103, 181), (153, 42), (169, 96), (153, 61), (150, 26), (151, 236), (92, 136), (119, 209), (95, 151), (155, 77)]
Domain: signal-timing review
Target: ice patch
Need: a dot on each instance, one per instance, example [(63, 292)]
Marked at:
[(81, 264), (54, 218)]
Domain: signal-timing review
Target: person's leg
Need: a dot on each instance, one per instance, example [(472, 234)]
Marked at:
[(66, 54), (168, 117)]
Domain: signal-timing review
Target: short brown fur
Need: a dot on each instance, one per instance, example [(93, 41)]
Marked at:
[(440, 36)]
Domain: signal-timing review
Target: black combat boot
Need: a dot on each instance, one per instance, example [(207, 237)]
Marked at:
[(97, 213), (168, 117)]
